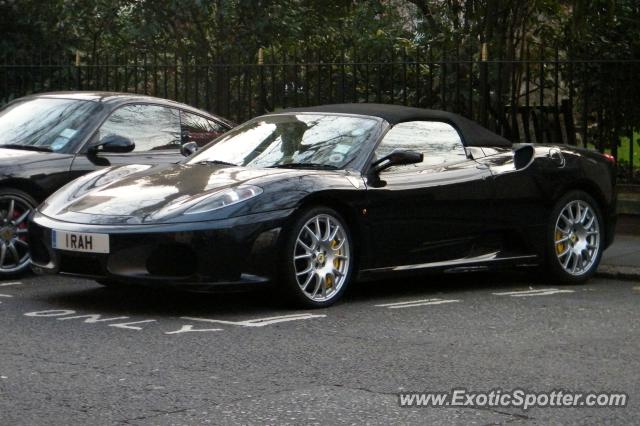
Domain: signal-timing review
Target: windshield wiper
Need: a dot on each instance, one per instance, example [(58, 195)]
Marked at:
[(305, 166), (27, 147), (224, 163)]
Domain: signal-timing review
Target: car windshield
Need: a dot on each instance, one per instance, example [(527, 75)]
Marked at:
[(288, 140), (46, 124)]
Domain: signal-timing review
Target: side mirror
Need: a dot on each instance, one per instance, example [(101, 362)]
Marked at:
[(397, 158), (114, 144), (189, 149)]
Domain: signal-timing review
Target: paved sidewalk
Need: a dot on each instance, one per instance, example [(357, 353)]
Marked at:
[(622, 259)]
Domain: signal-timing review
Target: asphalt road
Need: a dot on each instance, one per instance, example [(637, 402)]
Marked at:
[(145, 357)]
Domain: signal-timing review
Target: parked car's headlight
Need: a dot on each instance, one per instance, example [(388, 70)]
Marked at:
[(224, 198)]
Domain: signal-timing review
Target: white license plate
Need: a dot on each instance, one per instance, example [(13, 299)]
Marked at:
[(78, 241)]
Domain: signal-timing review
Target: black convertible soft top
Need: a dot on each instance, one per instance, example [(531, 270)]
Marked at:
[(473, 134)]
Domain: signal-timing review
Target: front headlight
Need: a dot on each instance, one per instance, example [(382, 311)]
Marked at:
[(224, 198)]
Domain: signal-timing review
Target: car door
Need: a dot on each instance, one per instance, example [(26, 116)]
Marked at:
[(155, 130), (522, 205), (433, 211)]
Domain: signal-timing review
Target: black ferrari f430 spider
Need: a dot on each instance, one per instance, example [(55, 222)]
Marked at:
[(312, 199)]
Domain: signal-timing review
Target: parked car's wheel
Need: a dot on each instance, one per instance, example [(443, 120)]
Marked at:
[(318, 258), (15, 207), (575, 238)]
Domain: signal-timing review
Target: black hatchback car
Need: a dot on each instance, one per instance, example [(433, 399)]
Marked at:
[(49, 139)]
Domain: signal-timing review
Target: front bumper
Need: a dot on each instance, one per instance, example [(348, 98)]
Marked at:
[(240, 250)]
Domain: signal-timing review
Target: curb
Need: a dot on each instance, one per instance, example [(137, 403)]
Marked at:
[(619, 272)]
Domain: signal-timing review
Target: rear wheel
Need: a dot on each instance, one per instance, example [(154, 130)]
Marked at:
[(575, 239), (15, 207), (318, 258)]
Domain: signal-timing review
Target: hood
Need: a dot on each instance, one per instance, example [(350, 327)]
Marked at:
[(144, 194)]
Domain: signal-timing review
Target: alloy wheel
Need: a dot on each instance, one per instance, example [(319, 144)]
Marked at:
[(321, 258), (14, 245), (577, 237)]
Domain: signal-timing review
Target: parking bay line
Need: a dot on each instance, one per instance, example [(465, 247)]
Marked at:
[(415, 303), (531, 293), (258, 322), (11, 283)]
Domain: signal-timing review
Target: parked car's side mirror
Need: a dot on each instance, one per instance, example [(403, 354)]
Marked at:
[(114, 144), (397, 158), (189, 149)]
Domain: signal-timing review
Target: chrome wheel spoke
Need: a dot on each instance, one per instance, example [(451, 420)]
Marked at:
[(22, 243), (308, 281), (22, 217), (3, 254), (590, 223), (304, 246), (584, 216), (10, 211), (565, 252), (334, 233), (328, 230), (14, 252), (306, 271), (316, 289)]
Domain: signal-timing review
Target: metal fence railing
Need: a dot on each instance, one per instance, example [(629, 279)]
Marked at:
[(579, 102)]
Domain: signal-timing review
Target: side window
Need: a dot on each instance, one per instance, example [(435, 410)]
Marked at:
[(439, 142), (150, 127), (199, 129)]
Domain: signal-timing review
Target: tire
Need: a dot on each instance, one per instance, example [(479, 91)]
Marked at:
[(575, 238), (15, 207), (316, 264)]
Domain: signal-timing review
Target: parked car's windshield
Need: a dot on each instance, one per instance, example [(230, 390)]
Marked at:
[(288, 140), (43, 123)]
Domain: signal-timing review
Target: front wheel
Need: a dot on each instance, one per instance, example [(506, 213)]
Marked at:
[(15, 207), (318, 258), (575, 238)]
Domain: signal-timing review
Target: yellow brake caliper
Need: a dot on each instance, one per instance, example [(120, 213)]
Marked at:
[(560, 247), (336, 264)]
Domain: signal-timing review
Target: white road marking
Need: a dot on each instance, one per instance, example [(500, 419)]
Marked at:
[(92, 318), (5, 295), (129, 325), (50, 313), (189, 328), (259, 322), (530, 293), (384, 305), (415, 303), (12, 283)]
